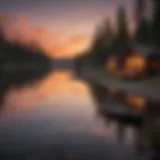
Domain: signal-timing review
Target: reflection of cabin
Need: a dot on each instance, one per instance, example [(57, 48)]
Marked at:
[(136, 102), (133, 101), (138, 61), (112, 63)]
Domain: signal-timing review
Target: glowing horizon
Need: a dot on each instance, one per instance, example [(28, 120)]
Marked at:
[(61, 28)]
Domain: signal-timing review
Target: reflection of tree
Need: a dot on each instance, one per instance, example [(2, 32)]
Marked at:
[(121, 132), (108, 119), (142, 136), (20, 65), (151, 127), (140, 141), (147, 135), (99, 92)]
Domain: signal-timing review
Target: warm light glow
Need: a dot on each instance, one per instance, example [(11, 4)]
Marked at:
[(136, 61), (134, 65), (135, 101), (53, 85), (54, 43), (112, 63)]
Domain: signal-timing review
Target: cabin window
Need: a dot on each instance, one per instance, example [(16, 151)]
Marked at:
[(112, 63), (136, 62)]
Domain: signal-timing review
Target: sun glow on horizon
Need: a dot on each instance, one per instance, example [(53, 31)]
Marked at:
[(53, 43)]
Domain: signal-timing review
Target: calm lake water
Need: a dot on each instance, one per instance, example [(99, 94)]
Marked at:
[(57, 118)]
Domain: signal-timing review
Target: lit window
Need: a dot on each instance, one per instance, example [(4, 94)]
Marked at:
[(137, 62), (136, 102)]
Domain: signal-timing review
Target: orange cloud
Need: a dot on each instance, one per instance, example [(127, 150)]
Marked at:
[(53, 43), (77, 39)]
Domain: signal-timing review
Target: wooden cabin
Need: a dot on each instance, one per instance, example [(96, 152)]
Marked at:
[(136, 62)]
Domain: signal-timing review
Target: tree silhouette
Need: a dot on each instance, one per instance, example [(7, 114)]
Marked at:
[(139, 11), (122, 37), (1, 35), (102, 42), (143, 32), (143, 26), (20, 65), (156, 22), (99, 38), (106, 41), (108, 33)]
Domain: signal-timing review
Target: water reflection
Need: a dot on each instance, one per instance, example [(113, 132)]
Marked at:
[(58, 118), (20, 67), (129, 110)]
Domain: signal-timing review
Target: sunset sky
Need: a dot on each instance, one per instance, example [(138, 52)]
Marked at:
[(60, 27)]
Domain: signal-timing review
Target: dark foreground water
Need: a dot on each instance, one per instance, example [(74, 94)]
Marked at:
[(58, 119)]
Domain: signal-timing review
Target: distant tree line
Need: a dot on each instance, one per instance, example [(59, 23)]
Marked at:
[(108, 40), (20, 64)]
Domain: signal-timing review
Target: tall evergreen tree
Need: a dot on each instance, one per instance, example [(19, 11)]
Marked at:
[(102, 41), (143, 32), (139, 11), (156, 22), (2, 37), (143, 26), (98, 38), (108, 33), (122, 37), (122, 23)]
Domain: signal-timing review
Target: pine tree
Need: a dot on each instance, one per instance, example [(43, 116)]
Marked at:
[(2, 37), (108, 33), (98, 38), (122, 23), (102, 42), (122, 37), (139, 11), (156, 22), (143, 26), (143, 32)]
